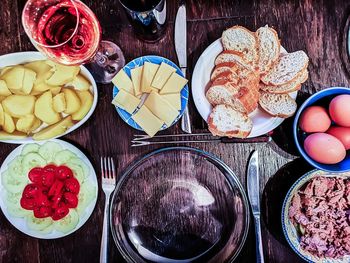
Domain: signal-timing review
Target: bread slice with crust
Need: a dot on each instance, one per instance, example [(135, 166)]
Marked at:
[(225, 121), (229, 56), (278, 105), (268, 48), (286, 88), (288, 67), (240, 39)]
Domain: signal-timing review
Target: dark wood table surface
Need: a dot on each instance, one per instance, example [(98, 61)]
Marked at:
[(316, 27)]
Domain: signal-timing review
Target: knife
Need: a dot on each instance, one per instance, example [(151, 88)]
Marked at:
[(181, 52), (254, 199)]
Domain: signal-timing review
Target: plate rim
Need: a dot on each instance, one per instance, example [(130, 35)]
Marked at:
[(29, 56), (88, 211), (273, 122), (151, 57)]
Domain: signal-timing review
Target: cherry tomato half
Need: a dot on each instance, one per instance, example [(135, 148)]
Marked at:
[(72, 185), (71, 200), (63, 172), (28, 203), (35, 175), (50, 168), (42, 211), (31, 191), (56, 188), (56, 200), (48, 178), (42, 200), (60, 212)]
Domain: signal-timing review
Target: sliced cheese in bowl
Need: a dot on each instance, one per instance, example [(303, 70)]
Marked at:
[(122, 81), (147, 121), (161, 108), (163, 74), (126, 101), (174, 84)]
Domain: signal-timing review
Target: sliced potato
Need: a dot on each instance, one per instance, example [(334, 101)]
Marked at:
[(24, 124), (59, 102), (4, 91), (39, 66), (28, 81), (2, 98), (43, 109), (14, 78), (40, 84), (4, 70), (86, 99), (61, 74), (80, 83), (19, 105), (54, 130), (9, 125), (55, 90), (37, 123), (12, 136), (2, 117), (72, 101)]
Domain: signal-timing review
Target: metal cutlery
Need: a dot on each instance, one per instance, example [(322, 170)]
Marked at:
[(254, 199), (142, 140), (181, 52), (108, 186)]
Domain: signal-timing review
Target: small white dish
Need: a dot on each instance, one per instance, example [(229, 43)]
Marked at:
[(25, 57), (20, 222), (262, 122)]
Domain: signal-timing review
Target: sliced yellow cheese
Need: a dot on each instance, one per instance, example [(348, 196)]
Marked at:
[(174, 84), (161, 108), (122, 81), (147, 121), (163, 74), (174, 99), (126, 101), (148, 73), (136, 76)]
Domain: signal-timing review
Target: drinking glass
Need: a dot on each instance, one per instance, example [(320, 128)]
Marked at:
[(148, 17), (69, 33)]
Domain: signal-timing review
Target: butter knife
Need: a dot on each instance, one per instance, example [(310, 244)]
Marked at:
[(254, 199), (181, 52)]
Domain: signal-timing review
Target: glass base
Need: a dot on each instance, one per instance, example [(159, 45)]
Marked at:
[(108, 60)]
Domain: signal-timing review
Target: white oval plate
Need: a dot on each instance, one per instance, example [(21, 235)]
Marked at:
[(262, 122), (20, 222), (25, 57)]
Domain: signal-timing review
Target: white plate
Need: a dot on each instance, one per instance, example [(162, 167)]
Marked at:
[(25, 57), (20, 223), (262, 122)]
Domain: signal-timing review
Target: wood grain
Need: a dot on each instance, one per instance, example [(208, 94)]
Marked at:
[(314, 26)]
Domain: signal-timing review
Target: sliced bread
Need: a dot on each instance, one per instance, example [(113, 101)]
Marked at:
[(286, 88), (240, 39), (227, 76), (268, 47), (278, 105), (225, 121), (288, 67), (222, 94), (229, 56)]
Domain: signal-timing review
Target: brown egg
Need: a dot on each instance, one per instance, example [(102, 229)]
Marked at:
[(324, 148), (314, 119), (342, 134), (339, 110)]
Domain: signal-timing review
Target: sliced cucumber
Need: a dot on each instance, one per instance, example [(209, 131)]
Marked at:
[(38, 224), (18, 211), (82, 164), (62, 157), (12, 198), (15, 166), (86, 194), (48, 229), (30, 148), (49, 149), (12, 183), (31, 160), (67, 223), (77, 171)]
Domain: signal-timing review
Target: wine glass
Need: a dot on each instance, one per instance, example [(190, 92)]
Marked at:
[(69, 33)]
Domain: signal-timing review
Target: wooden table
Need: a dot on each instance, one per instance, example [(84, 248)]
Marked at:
[(314, 26)]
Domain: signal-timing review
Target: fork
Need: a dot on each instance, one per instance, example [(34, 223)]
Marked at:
[(108, 186)]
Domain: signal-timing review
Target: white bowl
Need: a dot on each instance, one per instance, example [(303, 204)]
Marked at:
[(25, 57)]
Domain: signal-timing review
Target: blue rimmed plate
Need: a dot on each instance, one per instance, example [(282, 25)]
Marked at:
[(290, 231), (138, 62)]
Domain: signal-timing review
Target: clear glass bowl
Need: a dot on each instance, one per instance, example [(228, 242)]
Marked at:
[(179, 204)]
